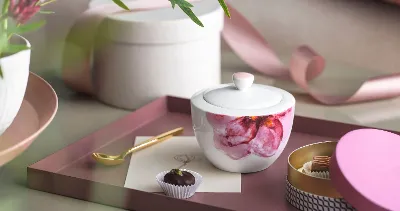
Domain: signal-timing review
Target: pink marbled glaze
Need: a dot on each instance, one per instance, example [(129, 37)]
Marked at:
[(239, 137)]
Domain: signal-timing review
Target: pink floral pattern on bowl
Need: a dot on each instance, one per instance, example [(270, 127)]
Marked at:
[(239, 137)]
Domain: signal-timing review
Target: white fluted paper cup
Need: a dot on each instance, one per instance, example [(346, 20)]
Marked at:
[(181, 192), (320, 174)]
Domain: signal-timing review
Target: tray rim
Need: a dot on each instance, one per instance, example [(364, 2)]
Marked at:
[(164, 103)]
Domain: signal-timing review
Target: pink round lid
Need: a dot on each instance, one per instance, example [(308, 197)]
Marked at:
[(365, 169)]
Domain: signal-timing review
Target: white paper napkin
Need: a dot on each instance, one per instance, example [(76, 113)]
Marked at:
[(173, 153)]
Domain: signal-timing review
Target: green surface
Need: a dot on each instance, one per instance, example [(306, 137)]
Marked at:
[(76, 118)]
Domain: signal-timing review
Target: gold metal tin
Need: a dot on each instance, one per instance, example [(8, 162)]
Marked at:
[(310, 184)]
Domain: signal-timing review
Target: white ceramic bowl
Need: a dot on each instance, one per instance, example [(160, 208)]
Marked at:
[(242, 127)]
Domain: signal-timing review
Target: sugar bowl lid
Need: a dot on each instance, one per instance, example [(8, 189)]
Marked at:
[(365, 169), (242, 97)]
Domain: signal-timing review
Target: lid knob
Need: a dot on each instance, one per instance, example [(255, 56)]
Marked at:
[(243, 80)]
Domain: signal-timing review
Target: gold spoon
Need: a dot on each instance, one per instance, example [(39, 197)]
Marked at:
[(112, 160)]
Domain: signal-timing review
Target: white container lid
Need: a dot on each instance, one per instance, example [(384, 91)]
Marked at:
[(243, 98), (94, 3), (164, 25)]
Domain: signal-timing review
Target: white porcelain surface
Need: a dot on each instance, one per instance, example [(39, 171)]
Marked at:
[(13, 85), (243, 80), (258, 100), (243, 95), (223, 158), (244, 139)]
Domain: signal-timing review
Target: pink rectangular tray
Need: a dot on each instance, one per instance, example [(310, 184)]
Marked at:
[(71, 171)]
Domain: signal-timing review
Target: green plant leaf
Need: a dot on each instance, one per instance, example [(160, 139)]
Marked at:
[(42, 4), (181, 3), (172, 3), (225, 8), (12, 48), (121, 4), (186, 8), (3, 43), (191, 15), (46, 12), (27, 27)]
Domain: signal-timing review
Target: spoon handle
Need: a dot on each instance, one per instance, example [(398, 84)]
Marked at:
[(154, 140)]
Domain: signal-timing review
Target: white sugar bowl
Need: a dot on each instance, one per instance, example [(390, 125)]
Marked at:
[(242, 127)]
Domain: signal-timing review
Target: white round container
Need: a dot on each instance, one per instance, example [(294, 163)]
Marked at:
[(143, 55), (242, 127)]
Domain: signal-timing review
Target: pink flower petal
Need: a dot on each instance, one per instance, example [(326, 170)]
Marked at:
[(283, 114), (241, 130), (267, 140), (233, 135), (217, 120), (23, 10), (235, 152), (240, 136)]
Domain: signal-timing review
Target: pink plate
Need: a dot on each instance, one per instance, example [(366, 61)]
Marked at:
[(365, 169), (37, 111)]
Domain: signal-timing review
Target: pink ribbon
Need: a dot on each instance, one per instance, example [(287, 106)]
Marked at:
[(243, 39)]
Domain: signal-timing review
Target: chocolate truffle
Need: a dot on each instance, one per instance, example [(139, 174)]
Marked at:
[(320, 163), (180, 178)]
